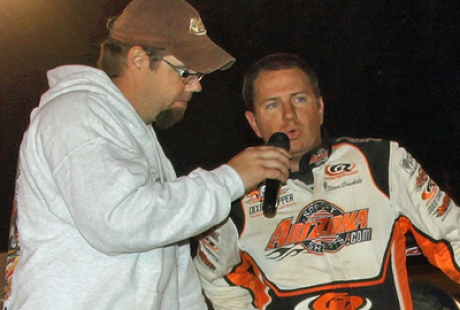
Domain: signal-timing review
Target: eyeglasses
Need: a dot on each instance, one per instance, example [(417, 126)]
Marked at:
[(188, 77)]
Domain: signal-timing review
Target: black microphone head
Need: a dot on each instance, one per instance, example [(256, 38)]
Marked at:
[(279, 139)]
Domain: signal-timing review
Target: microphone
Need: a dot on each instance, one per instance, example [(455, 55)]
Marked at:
[(278, 139)]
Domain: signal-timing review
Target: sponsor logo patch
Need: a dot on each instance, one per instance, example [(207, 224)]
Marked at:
[(340, 170), (408, 164), (430, 191), (319, 158), (335, 301), (322, 227), (421, 179)]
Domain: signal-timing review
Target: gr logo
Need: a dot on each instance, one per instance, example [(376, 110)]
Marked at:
[(340, 169), (335, 301)]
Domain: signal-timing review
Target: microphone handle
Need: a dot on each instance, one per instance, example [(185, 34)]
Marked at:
[(278, 139), (271, 195)]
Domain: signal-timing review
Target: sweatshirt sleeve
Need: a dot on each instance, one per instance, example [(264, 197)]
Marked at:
[(119, 205)]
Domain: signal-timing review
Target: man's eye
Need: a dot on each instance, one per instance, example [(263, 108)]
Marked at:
[(300, 99), (271, 105)]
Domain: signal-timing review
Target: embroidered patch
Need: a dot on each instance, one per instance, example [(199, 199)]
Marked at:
[(197, 27)]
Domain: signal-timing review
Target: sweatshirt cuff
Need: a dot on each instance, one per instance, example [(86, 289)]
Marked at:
[(228, 176)]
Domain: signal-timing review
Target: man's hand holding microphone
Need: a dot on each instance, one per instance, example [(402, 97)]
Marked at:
[(269, 163)]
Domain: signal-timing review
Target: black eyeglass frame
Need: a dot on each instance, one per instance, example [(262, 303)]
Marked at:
[(188, 77)]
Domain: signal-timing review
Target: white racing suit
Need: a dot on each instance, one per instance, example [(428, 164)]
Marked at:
[(338, 238)]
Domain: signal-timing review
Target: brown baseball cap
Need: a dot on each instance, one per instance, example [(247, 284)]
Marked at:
[(173, 25)]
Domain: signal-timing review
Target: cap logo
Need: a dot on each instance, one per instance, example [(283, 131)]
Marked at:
[(197, 27)]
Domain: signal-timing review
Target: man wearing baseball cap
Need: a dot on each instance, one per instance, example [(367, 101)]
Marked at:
[(100, 219)]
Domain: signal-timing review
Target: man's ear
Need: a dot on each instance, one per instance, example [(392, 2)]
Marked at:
[(136, 57), (252, 122), (321, 108)]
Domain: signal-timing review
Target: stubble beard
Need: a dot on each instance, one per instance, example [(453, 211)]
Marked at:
[(167, 118)]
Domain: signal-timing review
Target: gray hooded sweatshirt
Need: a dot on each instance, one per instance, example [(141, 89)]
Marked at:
[(102, 220)]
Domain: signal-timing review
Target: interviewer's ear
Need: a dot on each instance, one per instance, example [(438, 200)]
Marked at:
[(136, 57)]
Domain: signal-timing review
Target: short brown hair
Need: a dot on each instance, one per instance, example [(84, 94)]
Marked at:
[(113, 57), (274, 62)]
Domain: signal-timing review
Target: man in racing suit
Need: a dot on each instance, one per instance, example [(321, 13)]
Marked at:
[(337, 240)]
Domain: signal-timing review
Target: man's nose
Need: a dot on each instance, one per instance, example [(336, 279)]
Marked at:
[(194, 87), (288, 111)]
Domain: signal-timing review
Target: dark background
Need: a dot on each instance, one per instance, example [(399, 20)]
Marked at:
[(388, 69)]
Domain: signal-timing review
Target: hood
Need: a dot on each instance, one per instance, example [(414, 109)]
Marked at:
[(77, 78)]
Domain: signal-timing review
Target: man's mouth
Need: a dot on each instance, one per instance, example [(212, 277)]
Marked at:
[(182, 103), (293, 133)]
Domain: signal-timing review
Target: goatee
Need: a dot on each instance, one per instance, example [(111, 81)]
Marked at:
[(167, 118)]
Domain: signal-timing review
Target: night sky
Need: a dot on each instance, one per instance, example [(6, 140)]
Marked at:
[(388, 69)]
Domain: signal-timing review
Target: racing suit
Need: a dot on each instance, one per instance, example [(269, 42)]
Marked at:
[(337, 240)]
